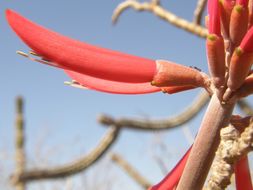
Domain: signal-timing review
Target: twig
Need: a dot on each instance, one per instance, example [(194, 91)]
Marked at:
[(222, 168), (146, 124), (20, 141), (162, 13), (198, 13), (232, 147), (131, 171), (73, 167), (245, 107)]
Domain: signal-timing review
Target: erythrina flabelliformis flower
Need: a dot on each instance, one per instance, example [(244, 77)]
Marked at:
[(229, 54)]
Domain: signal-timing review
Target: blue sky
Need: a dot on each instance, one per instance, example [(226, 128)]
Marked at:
[(68, 114)]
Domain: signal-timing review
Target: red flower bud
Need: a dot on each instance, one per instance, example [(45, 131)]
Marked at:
[(238, 22), (239, 68), (216, 59)]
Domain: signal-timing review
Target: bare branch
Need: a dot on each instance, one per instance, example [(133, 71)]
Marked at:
[(232, 147), (162, 13), (222, 168), (20, 142), (198, 13), (245, 107), (146, 124), (73, 167), (131, 171)]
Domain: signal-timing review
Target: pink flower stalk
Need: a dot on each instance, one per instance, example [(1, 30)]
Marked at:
[(171, 180), (242, 174), (97, 68)]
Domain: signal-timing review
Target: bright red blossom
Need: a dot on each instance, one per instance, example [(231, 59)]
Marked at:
[(115, 72)]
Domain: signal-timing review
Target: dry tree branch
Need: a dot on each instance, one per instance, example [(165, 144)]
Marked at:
[(146, 124), (155, 8), (131, 171), (198, 13), (232, 147), (245, 107), (73, 167), (20, 142)]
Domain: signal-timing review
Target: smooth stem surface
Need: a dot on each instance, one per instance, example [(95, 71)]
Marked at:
[(205, 145)]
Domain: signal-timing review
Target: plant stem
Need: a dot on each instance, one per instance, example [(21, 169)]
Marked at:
[(205, 145)]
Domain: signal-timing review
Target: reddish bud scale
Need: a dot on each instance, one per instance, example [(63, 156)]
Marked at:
[(238, 24), (172, 74), (172, 179), (242, 174), (226, 7), (175, 89), (216, 59), (81, 57), (112, 86), (239, 68)]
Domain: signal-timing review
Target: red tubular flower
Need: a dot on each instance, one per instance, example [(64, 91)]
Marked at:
[(241, 62), (98, 68), (80, 57), (239, 21), (171, 180), (215, 45), (242, 174)]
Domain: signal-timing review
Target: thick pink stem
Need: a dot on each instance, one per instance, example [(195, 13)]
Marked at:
[(205, 145)]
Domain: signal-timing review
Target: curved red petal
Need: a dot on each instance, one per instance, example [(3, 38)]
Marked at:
[(81, 57), (242, 174), (172, 179), (112, 86)]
